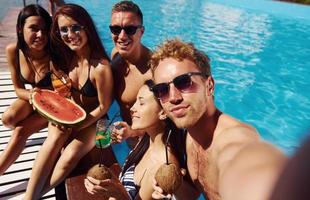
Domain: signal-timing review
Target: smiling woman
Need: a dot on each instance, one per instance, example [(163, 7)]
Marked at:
[(29, 63), (78, 52)]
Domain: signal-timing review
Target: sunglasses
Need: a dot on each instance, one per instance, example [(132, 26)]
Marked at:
[(129, 30), (74, 28), (182, 83)]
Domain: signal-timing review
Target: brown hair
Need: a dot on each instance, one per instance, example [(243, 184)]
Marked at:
[(80, 15), (180, 50), (128, 6)]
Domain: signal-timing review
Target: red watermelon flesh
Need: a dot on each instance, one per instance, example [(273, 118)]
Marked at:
[(57, 108)]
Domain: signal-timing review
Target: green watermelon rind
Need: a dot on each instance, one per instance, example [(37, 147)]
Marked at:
[(54, 119)]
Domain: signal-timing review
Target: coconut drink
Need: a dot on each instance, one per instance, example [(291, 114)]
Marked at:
[(169, 176), (100, 172)]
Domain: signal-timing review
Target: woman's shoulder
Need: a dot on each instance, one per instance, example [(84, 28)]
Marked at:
[(99, 62), (101, 65), (11, 49), (104, 61)]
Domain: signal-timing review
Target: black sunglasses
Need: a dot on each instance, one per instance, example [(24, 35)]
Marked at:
[(74, 28), (129, 30), (182, 83)]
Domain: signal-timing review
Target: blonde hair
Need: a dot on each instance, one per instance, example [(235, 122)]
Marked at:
[(179, 50)]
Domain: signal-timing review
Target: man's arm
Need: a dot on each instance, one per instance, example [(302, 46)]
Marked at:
[(248, 167)]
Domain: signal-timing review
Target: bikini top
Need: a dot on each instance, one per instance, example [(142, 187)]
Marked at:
[(45, 82), (127, 180), (88, 88)]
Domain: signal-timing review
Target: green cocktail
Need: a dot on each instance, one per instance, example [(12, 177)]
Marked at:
[(103, 139), (103, 133)]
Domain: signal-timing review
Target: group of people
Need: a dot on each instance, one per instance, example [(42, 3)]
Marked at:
[(166, 100)]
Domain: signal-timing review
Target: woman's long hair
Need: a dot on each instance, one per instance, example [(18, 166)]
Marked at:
[(62, 54), (176, 143), (28, 11)]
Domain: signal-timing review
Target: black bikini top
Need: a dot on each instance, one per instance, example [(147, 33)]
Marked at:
[(88, 88), (45, 82)]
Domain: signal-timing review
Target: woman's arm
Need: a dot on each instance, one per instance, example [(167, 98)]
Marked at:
[(19, 87)]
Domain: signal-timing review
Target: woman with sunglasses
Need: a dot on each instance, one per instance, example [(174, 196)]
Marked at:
[(87, 65), (29, 63), (149, 154)]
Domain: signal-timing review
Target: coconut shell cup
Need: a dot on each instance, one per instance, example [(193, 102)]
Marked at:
[(169, 178), (99, 172)]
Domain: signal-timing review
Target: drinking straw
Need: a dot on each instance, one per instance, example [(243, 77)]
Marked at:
[(166, 146), (101, 152), (100, 144)]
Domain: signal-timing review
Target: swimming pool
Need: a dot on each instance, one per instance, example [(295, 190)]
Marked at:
[(260, 56)]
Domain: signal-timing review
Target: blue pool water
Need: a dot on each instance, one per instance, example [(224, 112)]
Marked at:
[(260, 54)]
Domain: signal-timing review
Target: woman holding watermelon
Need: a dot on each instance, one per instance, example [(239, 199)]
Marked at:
[(29, 63), (85, 61)]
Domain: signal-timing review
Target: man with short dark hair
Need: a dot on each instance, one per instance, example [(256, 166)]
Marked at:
[(129, 56)]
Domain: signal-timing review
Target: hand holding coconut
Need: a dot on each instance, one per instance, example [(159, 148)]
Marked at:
[(161, 188), (101, 181), (99, 172), (95, 175), (168, 177)]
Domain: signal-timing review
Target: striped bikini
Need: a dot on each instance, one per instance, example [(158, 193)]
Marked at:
[(128, 182)]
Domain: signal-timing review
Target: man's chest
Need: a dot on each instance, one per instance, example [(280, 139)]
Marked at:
[(203, 171), (127, 87)]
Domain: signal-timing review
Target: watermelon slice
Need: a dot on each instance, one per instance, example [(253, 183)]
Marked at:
[(58, 109)]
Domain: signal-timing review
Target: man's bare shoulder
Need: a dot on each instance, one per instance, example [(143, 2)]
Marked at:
[(230, 136), (230, 130)]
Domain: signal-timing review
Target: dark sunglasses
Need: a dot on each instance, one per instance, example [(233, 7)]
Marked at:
[(182, 83), (74, 28), (129, 30)]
